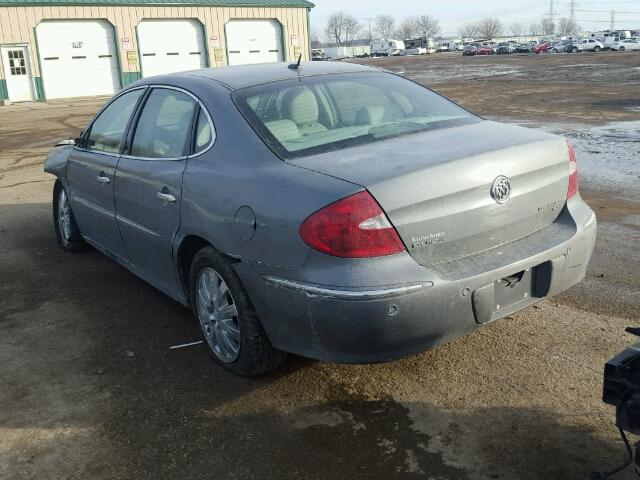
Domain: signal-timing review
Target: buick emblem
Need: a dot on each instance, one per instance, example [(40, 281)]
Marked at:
[(501, 189)]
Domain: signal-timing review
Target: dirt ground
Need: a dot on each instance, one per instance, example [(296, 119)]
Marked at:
[(89, 390)]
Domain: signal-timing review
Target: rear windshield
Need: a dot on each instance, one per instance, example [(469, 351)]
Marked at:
[(318, 114)]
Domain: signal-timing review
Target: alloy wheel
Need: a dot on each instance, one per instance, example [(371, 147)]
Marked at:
[(218, 315), (64, 216)]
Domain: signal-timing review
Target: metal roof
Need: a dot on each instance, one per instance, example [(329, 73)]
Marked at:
[(211, 3)]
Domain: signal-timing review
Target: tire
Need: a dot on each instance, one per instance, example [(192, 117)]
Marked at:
[(239, 344), (64, 223), (596, 48), (621, 49)]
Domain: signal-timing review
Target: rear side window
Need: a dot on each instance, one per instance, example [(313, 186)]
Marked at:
[(107, 131), (164, 125), (204, 132), (318, 114)]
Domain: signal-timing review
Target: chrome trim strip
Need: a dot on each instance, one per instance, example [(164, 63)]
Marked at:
[(347, 294)]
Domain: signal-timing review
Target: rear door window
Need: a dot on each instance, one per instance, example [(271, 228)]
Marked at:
[(163, 129)]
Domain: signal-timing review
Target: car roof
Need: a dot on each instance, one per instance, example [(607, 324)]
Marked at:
[(247, 75)]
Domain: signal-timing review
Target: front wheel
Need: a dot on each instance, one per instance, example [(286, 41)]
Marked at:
[(621, 49), (230, 328), (64, 223)]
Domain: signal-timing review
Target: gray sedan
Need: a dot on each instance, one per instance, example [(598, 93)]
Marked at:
[(329, 210)]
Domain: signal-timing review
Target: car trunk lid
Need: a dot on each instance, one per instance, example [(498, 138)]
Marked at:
[(435, 187)]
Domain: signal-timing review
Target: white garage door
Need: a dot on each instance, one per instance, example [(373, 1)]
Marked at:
[(168, 46), (78, 58), (254, 41)]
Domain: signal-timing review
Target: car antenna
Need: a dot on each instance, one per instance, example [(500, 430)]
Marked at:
[(296, 66)]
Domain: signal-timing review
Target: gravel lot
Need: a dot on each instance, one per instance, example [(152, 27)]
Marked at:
[(88, 390)]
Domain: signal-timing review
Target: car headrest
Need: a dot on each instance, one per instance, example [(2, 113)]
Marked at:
[(303, 106), (371, 115)]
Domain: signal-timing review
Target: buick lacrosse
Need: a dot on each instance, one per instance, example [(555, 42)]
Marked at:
[(330, 210)]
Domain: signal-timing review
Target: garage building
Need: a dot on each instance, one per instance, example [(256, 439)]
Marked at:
[(70, 48)]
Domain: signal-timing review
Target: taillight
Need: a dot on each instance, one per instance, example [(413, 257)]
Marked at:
[(572, 189), (354, 227)]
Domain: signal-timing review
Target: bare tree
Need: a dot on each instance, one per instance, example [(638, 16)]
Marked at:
[(567, 26), (341, 28), (548, 26), (469, 30), (407, 28), (516, 29), (384, 26), (315, 39), (351, 29), (535, 28), (489, 27), (427, 26)]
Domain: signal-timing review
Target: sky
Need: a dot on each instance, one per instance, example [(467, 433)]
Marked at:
[(591, 15)]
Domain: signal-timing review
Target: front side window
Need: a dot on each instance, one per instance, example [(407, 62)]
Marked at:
[(164, 125), (107, 131), (319, 114)]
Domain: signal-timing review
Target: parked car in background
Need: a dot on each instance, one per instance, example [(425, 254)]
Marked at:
[(302, 211), (542, 48), (485, 50), (558, 47), (505, 48), (523, 48), (586, 45), (627, 44), (317, 54), (470, 49)]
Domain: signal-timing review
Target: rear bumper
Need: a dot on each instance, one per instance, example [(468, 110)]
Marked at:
[(304, 312)]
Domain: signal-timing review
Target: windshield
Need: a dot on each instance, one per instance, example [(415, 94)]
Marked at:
[(318, 114)]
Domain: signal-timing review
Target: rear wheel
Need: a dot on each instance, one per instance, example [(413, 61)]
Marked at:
[(621, 49), (596, 48), (64, 223), (230, 328)]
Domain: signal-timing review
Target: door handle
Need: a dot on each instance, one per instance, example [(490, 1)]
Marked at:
[(103, 179), (166, 197)]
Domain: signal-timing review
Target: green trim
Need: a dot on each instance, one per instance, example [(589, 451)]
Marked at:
[(129, 77), (308, 33), (181, 3), (4, 95), (40, 93), (135, 30), (116, 39), (39, 88), (207, 57)]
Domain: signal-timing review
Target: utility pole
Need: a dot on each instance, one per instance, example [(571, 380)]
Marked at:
[(612, 27), (368, 19), (551, 10), (572, 14)]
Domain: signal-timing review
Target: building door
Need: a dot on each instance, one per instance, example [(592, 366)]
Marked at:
[(168, 46), (78, 58), (17, 72), (254, 41)]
